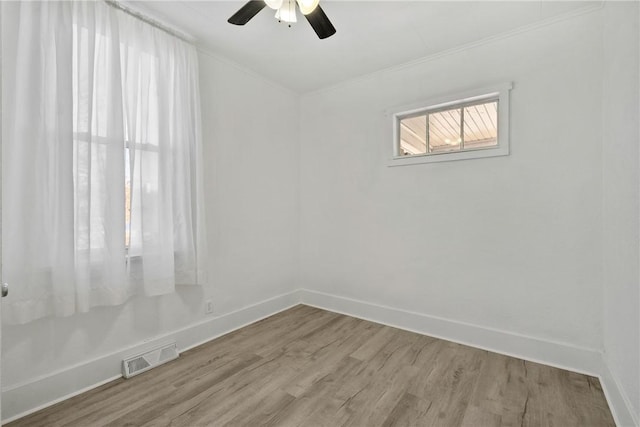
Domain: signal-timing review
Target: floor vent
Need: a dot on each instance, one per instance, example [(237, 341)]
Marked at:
[(143, 362)]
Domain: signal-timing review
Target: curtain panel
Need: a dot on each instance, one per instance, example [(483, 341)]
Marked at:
[(102, 173)]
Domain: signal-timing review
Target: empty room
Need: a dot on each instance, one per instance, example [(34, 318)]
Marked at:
[(320, 213)]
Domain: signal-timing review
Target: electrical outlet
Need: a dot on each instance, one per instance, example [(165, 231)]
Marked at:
[(208, 307)]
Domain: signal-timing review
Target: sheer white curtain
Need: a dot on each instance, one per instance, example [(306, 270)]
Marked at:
[(102, 185)]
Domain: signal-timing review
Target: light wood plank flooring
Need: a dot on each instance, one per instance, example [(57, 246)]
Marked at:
[(307, 366)]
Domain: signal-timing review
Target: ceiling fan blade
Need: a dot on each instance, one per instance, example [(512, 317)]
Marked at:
[(246, 12), (320, 23)]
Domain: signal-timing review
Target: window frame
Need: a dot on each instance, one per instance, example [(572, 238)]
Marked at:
[(499, 93)]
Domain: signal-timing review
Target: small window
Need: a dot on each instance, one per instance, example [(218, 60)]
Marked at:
[(469, 126)]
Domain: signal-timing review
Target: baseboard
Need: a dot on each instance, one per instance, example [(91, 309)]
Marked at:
[(560, 355), (619, 402), (25, 398)]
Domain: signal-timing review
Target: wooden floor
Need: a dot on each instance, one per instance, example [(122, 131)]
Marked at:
[(311, 367)]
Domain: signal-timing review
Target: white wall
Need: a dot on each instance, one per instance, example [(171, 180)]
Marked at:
[(512, 243), (621, 237), (252, 173), (251, 188)]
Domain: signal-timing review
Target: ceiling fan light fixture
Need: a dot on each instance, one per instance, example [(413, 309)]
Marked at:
[(287, 12), (274, 4), (307, 6)]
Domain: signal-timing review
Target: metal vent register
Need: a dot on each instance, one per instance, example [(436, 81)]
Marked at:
[(143, 362)]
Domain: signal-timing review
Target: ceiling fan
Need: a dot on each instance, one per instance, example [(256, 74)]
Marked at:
[(286, 11)]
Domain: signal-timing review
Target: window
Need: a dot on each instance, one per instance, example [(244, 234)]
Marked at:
[(141, 139), (108, 197), (470, 125)]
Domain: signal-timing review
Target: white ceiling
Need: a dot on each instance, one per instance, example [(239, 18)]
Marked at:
[(371, 35)]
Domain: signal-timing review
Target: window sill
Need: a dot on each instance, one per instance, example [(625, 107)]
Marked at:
[(447, 157)]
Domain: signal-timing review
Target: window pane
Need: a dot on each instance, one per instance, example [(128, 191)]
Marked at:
[(481, 125), (444, 131), (127, 200), (413, 133), (146, 215)]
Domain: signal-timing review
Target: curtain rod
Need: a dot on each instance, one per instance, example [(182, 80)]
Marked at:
[(184, 37)]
